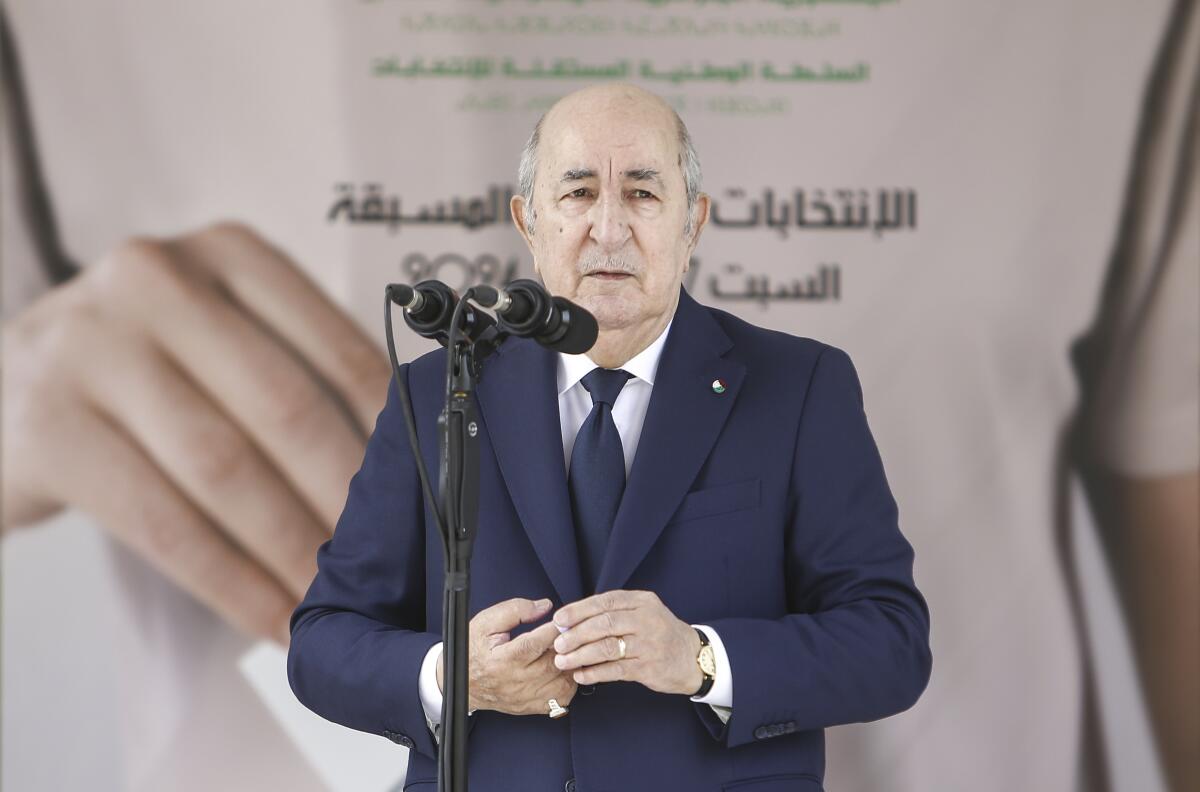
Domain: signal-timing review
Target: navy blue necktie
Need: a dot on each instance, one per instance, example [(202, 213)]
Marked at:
[(597, 475)]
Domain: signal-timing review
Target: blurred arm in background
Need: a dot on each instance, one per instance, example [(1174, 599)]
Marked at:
[(1151, 531), (1140, 422)]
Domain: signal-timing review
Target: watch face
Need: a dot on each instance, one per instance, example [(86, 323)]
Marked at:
[(707, 661)]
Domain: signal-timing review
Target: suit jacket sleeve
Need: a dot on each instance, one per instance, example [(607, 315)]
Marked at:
[(854, 645), (359, 636)]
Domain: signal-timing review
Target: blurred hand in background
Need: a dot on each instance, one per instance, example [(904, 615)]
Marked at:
[(205, 402)]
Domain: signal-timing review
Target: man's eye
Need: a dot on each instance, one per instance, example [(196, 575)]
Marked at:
[(580, 193), (642, 194)]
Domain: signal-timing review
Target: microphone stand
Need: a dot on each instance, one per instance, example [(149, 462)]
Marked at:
[(459, 484), (457, 519)]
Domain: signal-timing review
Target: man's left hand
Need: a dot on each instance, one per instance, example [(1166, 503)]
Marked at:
[(660, 650)]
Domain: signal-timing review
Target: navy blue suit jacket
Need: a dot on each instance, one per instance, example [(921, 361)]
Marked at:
[(762, 511)]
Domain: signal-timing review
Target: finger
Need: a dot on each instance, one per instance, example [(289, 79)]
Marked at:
[(543, 666), (503, 616), (570, 615), (205, 454), (531, 646), (602, 625), (616, 671), (604, 650), (284, 297), (258, 381), (110, 478)]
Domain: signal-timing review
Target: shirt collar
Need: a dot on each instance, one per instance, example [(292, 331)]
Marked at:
[(643, 365)]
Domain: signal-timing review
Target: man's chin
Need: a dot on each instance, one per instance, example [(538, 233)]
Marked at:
[(612, 312)]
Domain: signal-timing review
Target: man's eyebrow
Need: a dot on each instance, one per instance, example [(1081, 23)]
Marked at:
[(644, 175), (577, 174), (634, 174)]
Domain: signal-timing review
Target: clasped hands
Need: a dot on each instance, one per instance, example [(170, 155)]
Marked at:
[(578, 646)]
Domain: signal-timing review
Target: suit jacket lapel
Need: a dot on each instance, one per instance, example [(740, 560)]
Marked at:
[(518, 397), (683, 421)]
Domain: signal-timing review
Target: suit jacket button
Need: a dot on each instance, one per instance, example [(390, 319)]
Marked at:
[(762, 732), (587, 690), (570, 785)]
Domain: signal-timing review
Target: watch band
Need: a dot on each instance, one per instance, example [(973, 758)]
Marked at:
[(707, 684)]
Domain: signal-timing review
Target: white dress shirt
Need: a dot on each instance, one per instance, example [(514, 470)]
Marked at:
[(628, 412)]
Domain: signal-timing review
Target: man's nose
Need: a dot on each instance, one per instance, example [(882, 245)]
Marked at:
[(610, 221)]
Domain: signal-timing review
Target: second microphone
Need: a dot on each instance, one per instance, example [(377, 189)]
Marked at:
[(524, 308)]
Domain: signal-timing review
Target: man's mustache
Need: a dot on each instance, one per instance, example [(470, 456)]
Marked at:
[(596, 262)]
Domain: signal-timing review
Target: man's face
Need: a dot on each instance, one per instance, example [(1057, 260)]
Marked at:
[(611, 208)]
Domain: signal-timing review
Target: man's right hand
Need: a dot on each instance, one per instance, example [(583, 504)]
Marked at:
[(514, 675), (205, 402)]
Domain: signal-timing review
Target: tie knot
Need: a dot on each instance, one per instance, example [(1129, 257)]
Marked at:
[(605, 384)]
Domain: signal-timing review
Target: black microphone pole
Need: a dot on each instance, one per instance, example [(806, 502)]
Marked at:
[(459, 484), (457, 513)]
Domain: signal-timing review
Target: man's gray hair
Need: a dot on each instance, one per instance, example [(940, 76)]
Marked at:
[(689, 163)]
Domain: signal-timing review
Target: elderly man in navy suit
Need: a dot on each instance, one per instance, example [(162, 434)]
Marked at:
[(686, 540)]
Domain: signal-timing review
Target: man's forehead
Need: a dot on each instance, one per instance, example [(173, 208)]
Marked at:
[(608, 150)]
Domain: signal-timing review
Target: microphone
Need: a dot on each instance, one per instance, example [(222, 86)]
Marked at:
[(526, 309), (429, 309)]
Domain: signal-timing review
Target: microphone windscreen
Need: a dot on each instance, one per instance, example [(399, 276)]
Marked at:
[(577, 332)]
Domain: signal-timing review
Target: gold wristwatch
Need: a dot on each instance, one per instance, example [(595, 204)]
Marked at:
[(707, 662)]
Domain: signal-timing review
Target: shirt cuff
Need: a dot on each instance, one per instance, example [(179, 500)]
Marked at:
[(431, 695), (720, 695)]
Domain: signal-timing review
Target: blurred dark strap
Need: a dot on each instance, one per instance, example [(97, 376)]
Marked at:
[(32, 197)]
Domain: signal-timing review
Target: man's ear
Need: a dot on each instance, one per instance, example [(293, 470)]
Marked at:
[(516, 207), (700, 213)]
